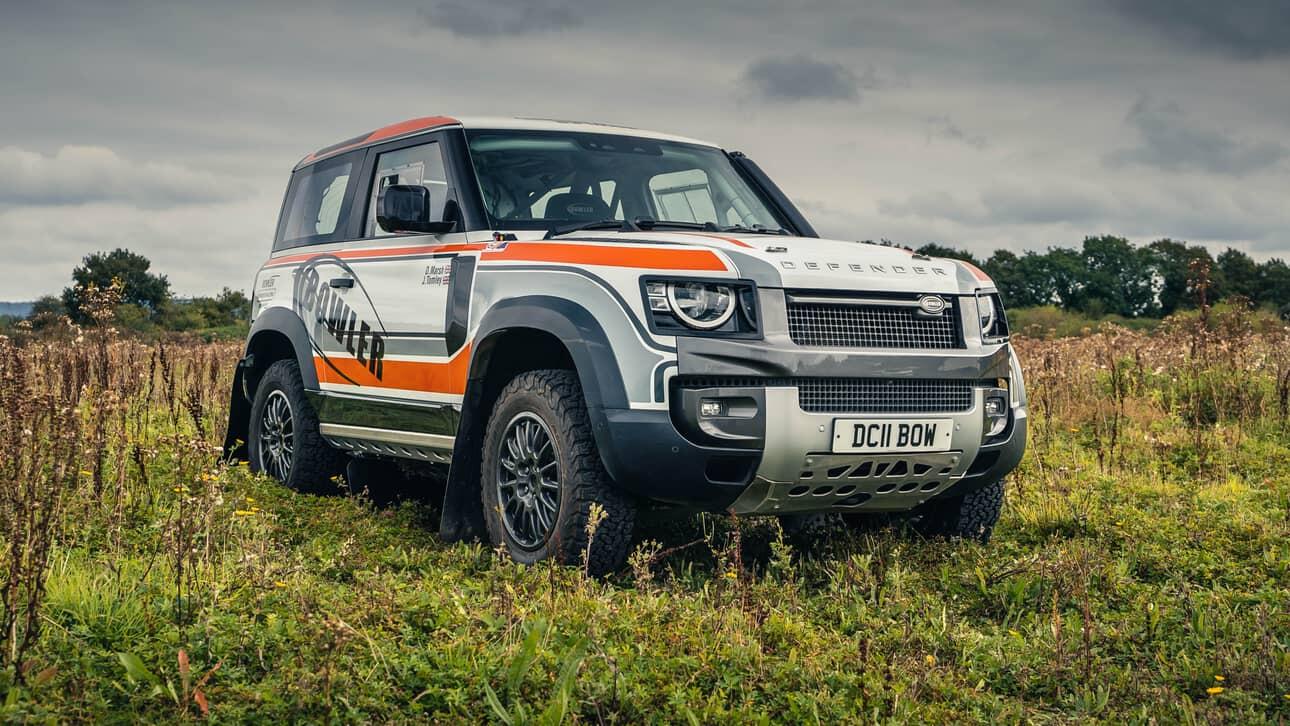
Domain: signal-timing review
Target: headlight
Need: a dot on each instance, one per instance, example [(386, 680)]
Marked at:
[(985, 306), (701, 305), (994, 325), (710, 307)]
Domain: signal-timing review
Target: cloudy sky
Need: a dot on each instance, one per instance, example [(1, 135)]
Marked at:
[(170, 127)]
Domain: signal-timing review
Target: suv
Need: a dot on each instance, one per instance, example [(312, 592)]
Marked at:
[(585, 320)]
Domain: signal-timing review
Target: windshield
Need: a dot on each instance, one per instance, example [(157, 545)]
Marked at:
[(551, 180)]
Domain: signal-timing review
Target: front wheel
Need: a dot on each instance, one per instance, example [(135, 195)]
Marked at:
[(971, 516), (283, 439), (542, 476)]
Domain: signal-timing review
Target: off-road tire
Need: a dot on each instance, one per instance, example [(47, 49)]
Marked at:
[(811, 533), (555, 397), (313, 461), (971, 516)]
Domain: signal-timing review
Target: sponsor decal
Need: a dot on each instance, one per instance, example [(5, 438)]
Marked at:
[(324, 310), (437, 275)]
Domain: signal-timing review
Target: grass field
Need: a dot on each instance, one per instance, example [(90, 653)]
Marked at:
[(1140, 572)]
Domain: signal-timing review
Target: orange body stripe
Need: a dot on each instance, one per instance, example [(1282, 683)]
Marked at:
[(609, 256), (447, 377), (605, 255), (376, 252)]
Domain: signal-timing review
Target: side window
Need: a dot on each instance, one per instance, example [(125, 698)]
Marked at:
[(683, 196), (316, 205), (421, 165)]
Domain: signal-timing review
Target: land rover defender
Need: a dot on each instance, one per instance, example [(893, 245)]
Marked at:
[(570, 316)]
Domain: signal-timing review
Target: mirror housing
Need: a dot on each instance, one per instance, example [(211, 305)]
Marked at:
[(406, 208)]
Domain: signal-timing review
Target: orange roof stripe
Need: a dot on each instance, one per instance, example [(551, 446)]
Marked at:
[(402, 128)]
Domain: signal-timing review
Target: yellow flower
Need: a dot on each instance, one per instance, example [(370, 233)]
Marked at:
[(1220, 679), (1014, 633), (1214, 690), (930, 659), (279, 584), (243, 512), (86, 472), (249, 500), (1074, 430), (731, 574)]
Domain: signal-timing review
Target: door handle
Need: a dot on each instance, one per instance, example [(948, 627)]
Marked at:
[(342, 282)]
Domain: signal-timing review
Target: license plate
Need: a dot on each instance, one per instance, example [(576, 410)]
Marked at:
[(881, 435)]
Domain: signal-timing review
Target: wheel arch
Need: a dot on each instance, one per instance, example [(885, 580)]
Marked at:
[(518, 335), (277, 334)]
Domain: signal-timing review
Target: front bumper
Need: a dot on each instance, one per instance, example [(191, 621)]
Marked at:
[(800, 473)]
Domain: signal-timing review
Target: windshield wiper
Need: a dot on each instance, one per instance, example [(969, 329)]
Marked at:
[(647, 223), (755, 229), (622, 224)]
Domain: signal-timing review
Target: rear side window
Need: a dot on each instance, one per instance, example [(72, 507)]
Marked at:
[(318, 202)]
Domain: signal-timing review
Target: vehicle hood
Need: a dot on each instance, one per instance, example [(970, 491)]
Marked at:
[(823, 264)]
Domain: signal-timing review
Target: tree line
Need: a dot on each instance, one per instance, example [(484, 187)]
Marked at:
[(147, 302), (1109, 274)]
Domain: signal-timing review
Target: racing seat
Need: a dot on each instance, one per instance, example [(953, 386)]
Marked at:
[(577, 207)]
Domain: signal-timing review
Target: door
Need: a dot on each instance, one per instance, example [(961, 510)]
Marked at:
[(396, 287)]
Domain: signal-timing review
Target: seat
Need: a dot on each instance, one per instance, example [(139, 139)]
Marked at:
[(576, 207)]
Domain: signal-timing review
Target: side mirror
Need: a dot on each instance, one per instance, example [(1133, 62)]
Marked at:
[(406, 208)]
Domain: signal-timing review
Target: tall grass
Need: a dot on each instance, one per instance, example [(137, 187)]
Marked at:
[(1139, 572)]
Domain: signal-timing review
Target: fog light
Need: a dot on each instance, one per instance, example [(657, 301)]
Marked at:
[(709, 408), (996, 415)]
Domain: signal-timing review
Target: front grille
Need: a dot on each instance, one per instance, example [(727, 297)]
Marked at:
[(871, 325), (858, 395)]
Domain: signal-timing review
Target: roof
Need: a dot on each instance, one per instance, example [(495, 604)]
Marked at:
[(426, 124)]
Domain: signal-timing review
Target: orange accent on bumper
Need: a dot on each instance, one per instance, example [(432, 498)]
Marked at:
[(448, 377)]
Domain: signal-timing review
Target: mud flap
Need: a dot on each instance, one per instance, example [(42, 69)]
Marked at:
[(239, 418)]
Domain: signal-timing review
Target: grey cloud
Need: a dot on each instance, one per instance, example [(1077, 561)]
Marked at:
[(1247, 29), (803, 78), (483, 18), (945, 128), (1170, 141), (92, 174)]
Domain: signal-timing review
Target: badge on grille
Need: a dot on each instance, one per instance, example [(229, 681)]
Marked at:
[(931, 304)]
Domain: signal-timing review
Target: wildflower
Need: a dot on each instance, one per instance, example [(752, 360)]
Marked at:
[(249, 500), (732, 575), (930, 659), (1214, 690), (243, 512), (86, 472), (1220, 679), (1074, 430), (1014, 633), (279, 584)]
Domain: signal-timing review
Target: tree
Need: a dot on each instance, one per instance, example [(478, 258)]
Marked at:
[(140, 287), (932, 249), (1274, 285), (1170, 263), (1116, 277), (1240, 275)]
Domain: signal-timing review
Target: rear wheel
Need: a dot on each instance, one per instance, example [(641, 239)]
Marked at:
[(542, 474), (283, 439)]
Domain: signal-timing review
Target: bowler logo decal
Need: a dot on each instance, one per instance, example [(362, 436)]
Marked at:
[(323, 308)]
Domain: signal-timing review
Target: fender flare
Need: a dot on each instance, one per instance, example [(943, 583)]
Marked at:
[(275, 320), (594, 363)]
